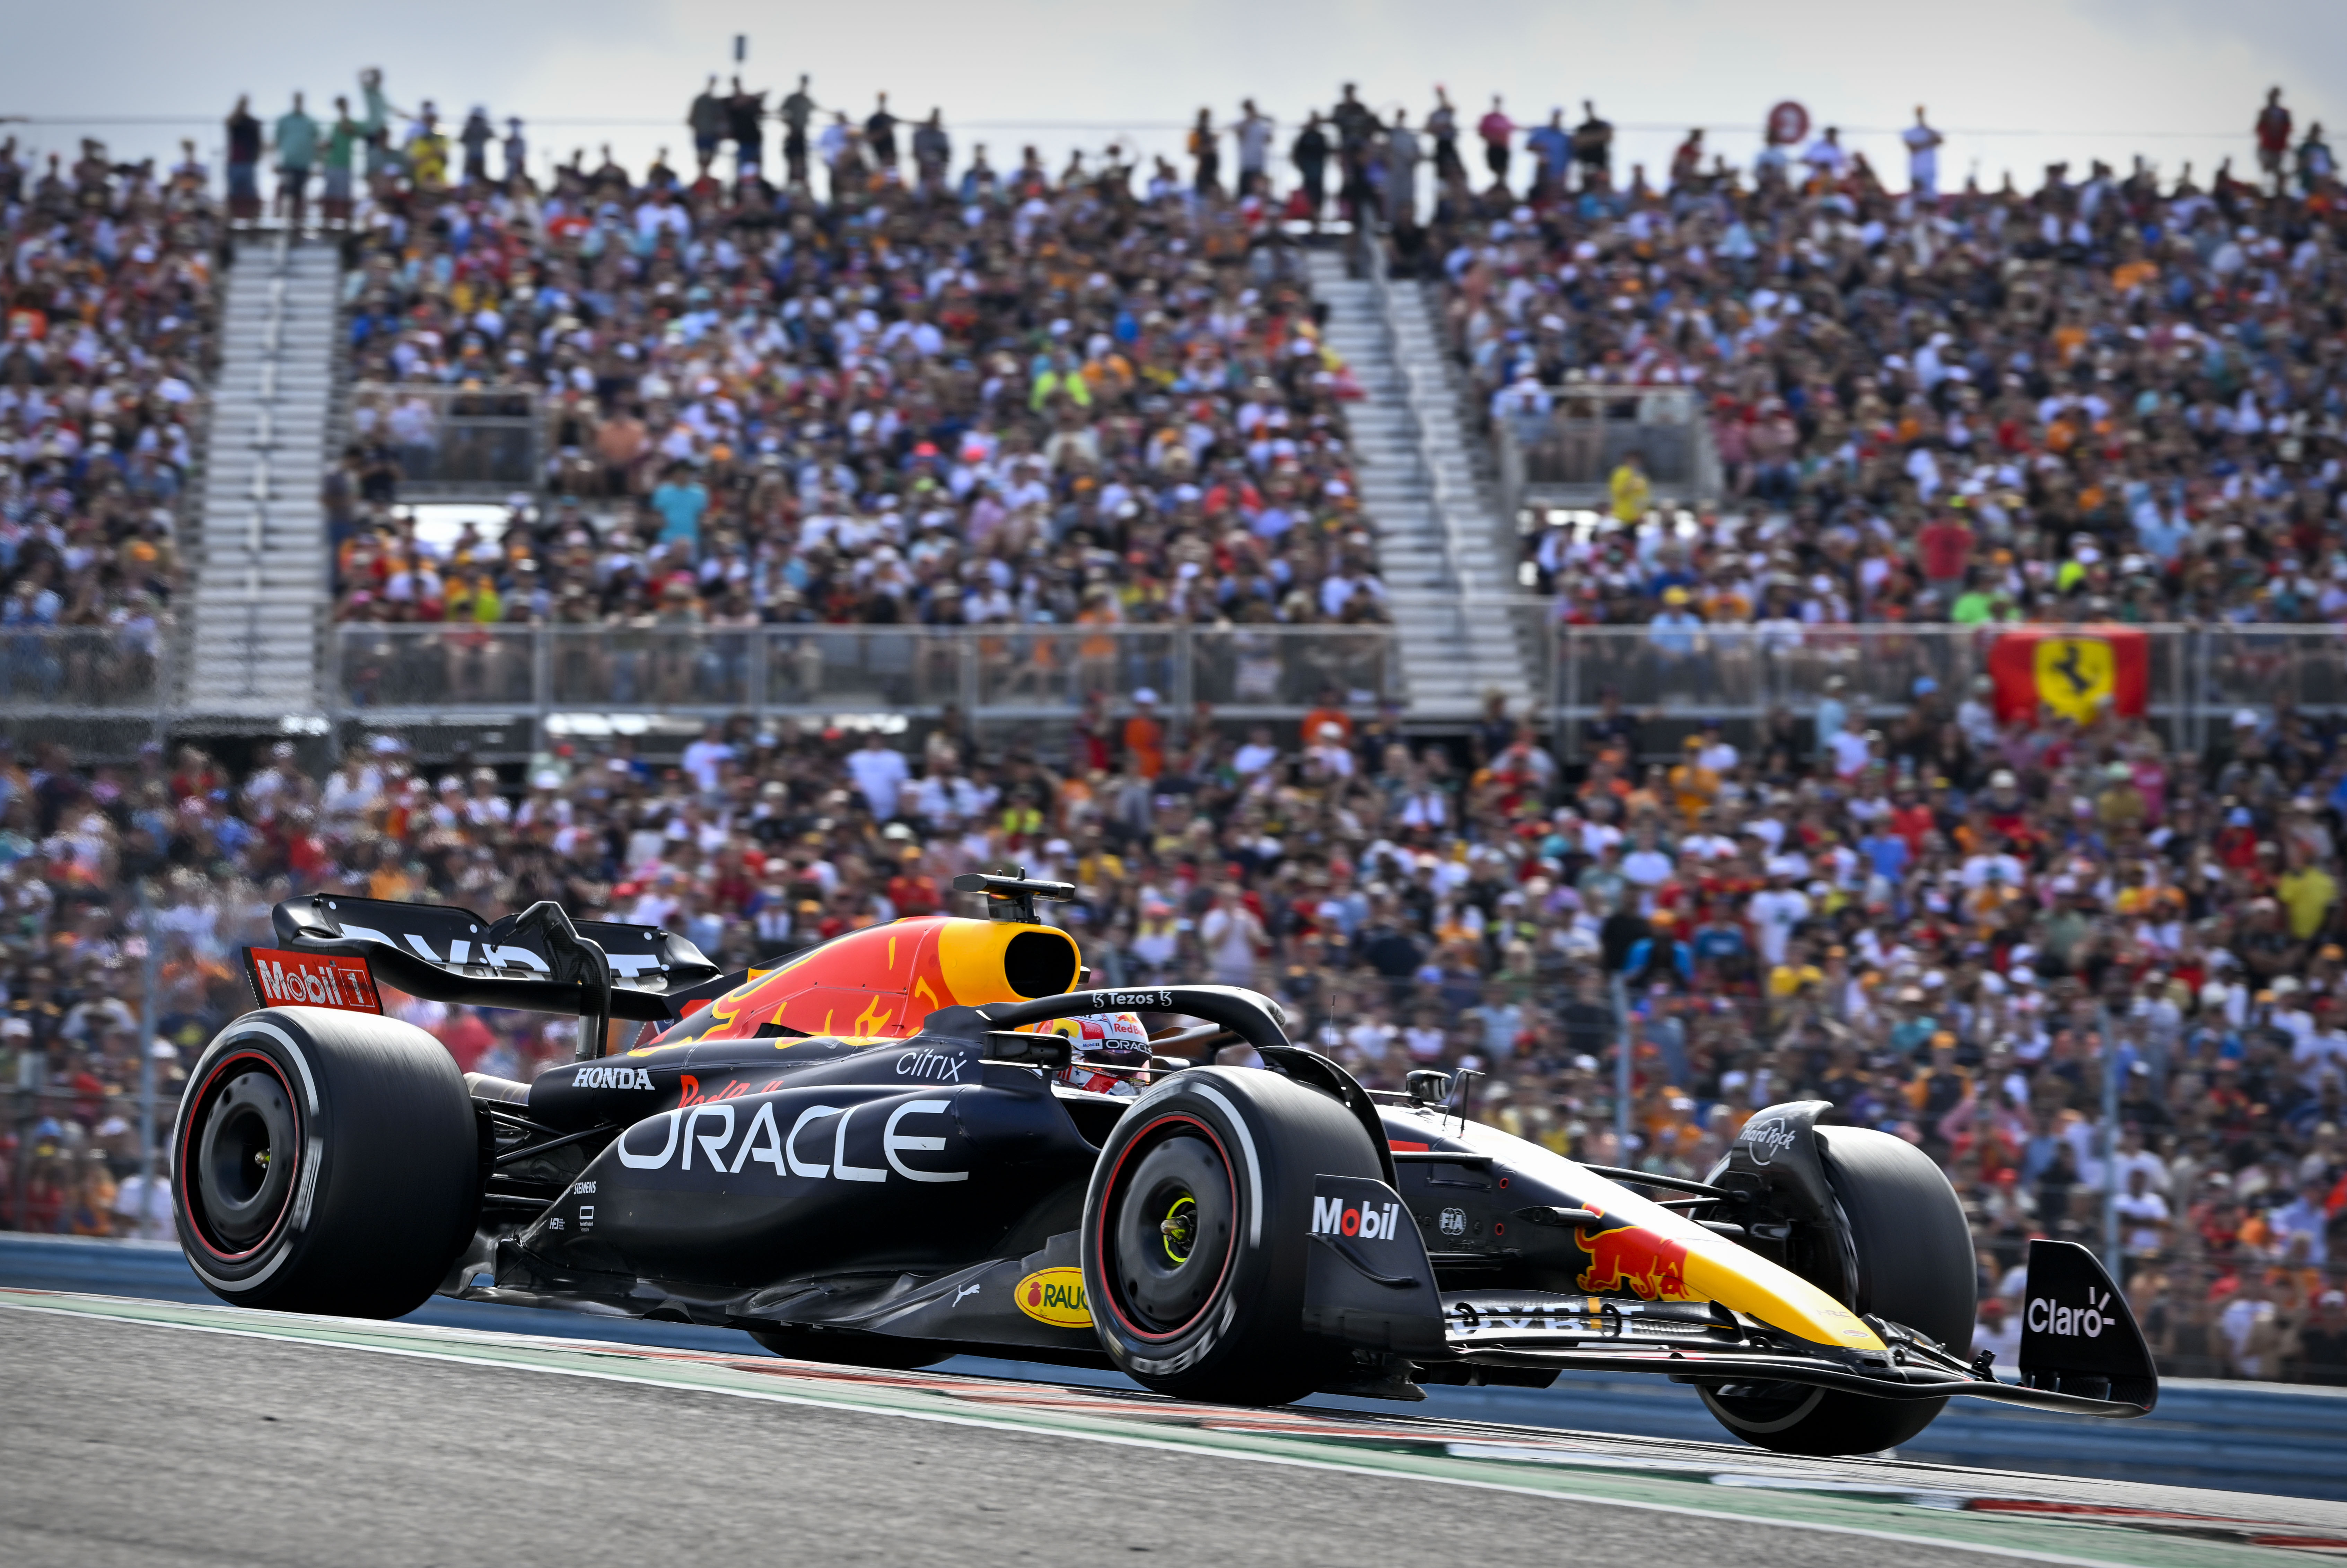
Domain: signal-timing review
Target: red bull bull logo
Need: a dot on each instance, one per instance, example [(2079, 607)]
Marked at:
[(1653, 1268)]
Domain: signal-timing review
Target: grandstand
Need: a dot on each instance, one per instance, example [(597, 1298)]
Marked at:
[(1775, 632)]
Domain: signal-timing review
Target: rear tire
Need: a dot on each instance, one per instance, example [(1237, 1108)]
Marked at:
[(1915, 1267), (1193, 1230), (326, 1162)]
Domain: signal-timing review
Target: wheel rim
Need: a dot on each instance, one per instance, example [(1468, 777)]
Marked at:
[(245, 1154), (1169, 1229)]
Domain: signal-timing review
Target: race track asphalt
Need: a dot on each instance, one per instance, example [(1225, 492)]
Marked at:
[(153, 1433)]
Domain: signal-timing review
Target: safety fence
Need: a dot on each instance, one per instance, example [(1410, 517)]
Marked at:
[(401, 674), (2193, 678), (83, 669)]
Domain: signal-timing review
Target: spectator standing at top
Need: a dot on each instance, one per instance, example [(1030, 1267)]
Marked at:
[(1495, 127), (296, 140), (1401, 173), (374, 127), (2316, 163), (1593, 146), (243, 162), (2273, 139), (1923, 159), (1207, 155), (932, 152), (517, 151), (1825, 156), (706, 119), (427, 152), (1253, 134), (1310, 156), (796, 112), (343, 139), (1551, 146), (1686, 162), (880, 135), (1357, 128), (1442, 125), (743, 111), (476, 138)]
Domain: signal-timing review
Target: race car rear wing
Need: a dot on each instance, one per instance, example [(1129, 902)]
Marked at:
[(539, 960)]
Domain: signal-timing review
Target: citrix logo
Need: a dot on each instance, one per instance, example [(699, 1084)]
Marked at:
[(1370, 1222), (2047, 1317), (937, 1066)]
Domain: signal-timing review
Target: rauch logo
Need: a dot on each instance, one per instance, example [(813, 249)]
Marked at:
[(1056, 1296)]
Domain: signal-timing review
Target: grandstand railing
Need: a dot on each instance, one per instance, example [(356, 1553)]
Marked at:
[(420, 673), (454, 443), (66, 672)]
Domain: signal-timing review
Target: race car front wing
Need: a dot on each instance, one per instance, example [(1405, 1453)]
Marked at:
[(1372, 1284)]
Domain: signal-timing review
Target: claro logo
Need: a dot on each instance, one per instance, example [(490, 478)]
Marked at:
[(706, 1131), (1370, 1222), (2047, 1316)]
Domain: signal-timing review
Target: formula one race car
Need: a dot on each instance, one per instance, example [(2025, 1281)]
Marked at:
[(894, 1147)]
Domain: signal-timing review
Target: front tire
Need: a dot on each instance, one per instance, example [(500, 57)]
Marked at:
[(1193, 1243), (326, 1162), (1915, 1267)]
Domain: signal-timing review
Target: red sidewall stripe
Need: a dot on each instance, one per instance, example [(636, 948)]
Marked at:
[(188, 1176), (1108, 1201)]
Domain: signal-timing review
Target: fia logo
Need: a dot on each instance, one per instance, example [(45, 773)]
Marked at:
[(1454, 1222)]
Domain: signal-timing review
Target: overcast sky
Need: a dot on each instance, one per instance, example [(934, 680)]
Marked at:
[(2014, 83)]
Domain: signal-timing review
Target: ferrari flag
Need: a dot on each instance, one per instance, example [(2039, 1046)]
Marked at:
[(2079, 672)]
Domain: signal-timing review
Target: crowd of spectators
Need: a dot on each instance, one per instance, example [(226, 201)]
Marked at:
[(933, 395), (1973, 934), (1954, 942), (2116, 397), (107, 273)]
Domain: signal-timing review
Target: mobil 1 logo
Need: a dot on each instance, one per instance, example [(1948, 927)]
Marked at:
[(1363, 1214)]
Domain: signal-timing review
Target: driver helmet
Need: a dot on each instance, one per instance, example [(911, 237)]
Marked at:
[(1110, 1039)]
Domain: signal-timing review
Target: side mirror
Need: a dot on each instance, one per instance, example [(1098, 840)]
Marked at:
[(1049, 1052), (1428, 1087)]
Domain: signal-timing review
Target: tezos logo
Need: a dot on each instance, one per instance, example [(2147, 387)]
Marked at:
[(1765, 1140), (1370, 1222), (1056, 1296), (2048, 1317), (611, 1078)]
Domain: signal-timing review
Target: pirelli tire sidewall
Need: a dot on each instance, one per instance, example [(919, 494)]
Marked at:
[(386, 1187), (1916, 1266), (1245, 1344)]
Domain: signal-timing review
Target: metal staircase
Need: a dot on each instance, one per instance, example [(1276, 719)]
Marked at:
[(261, 592), (1440, 544)]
